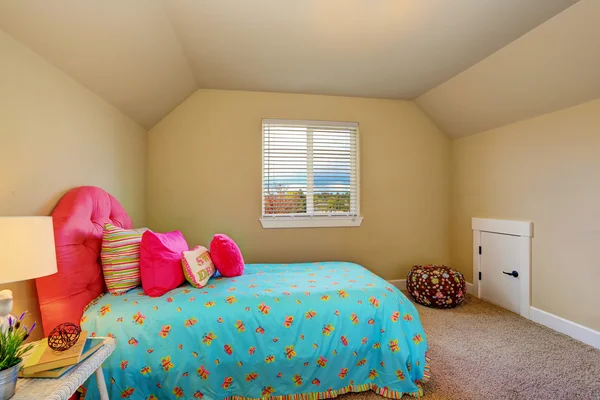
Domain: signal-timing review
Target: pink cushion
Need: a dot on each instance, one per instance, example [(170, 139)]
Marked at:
[(79, 219), (226, 256), (160, 261)]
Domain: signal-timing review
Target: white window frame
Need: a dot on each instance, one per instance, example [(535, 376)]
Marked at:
[(311, 220)]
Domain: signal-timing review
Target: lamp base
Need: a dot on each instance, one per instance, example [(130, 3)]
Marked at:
[(6, 305)]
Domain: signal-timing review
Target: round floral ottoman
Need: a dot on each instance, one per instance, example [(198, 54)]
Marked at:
[(436, 286)]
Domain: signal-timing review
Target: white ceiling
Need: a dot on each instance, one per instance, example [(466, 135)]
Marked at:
[(147, 56)]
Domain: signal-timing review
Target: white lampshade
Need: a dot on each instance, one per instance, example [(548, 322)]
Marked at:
[(26, 248)]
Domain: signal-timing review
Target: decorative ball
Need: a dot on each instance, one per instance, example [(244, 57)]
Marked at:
[(437, 286), (64, 336)]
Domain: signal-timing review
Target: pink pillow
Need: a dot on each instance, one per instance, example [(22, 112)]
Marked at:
[(226, 256), (160, 261)]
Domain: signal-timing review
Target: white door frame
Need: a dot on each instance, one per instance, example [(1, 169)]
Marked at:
[(521, 229)]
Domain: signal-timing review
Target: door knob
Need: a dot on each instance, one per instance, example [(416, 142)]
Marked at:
[(514, 273)]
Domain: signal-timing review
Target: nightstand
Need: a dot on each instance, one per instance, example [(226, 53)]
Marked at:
[(64, 387)]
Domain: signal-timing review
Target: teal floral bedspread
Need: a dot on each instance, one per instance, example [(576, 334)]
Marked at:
[(281, 331)]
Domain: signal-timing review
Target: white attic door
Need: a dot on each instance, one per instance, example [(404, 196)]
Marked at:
[(502, 263)]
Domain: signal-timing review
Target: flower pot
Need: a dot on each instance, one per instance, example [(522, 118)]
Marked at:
[(8, 381)]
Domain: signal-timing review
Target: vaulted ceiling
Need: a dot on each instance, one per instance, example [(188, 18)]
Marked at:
[(554, 66), (146, 56)]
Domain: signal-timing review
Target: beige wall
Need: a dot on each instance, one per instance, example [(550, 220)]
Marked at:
[(56, 135), (204, 177), (546, 170)]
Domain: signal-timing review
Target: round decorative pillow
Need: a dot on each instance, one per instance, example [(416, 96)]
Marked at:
[(437, 286), (226, 256)]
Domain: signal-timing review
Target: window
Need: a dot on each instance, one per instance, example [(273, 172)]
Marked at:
[(310, 174)]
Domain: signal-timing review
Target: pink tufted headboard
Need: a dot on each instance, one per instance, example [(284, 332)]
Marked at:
[(79, 219)]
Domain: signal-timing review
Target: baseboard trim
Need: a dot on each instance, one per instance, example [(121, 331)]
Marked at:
[(470, 288), (569, 328), (554, 322), (401, 284)]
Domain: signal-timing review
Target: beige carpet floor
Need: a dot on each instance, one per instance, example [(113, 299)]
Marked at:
[(480, 351)]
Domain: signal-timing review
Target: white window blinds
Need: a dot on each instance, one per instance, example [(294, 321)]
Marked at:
[(310, 168)]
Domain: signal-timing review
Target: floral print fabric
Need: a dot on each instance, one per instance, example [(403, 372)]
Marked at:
[(436, 286), (279, 331)]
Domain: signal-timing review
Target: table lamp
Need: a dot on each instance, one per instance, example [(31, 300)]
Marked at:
[(26, 252)]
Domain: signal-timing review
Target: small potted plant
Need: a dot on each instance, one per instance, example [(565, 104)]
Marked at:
[(12, 335)]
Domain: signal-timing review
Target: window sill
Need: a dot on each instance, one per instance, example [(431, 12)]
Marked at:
[(309, 222)]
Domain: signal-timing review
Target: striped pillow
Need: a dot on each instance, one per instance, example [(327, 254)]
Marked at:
[(120, 257)]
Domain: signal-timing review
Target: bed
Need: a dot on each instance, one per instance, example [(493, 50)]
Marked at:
[(281, 331)]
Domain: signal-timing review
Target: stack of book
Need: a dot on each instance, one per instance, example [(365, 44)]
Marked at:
[(43, 362)]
